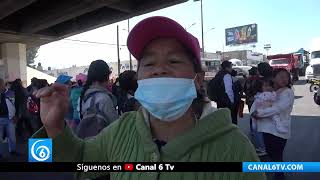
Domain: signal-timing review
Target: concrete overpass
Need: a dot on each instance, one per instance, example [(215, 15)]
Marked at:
[(29, 23)]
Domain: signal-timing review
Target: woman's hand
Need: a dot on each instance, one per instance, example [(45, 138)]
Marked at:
[(54, 103)]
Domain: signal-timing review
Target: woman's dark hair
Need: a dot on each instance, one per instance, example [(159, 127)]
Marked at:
[(265, 69), (260, 82), (43, 83), (226, 64), (253, 71), (234, 73), (115, 87), (99, 71), (116, 81), (277, 71), (128, 81), (200, 101)]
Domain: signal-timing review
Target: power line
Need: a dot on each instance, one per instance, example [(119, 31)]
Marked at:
[(92, 42)]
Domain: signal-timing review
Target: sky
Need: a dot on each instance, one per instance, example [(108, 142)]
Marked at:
[(287, 25)]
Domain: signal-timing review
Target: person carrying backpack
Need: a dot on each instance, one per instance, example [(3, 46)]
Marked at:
[(33, 103), (220, 89), (7, 116), (98, 105), (75, 99)]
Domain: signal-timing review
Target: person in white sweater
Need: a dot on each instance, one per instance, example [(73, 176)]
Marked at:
[(265, 98), (274, 139)]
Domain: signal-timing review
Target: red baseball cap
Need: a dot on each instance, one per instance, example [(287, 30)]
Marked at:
[(156, 27)]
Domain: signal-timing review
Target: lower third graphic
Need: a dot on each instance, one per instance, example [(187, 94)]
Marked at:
[(40, 150)]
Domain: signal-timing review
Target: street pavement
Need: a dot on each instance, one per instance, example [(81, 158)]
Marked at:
[(302, 146)]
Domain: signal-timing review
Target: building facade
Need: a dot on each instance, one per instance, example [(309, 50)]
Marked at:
[(248, 57), (75, 70)]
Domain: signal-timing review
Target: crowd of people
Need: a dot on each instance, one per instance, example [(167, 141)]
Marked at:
[(161, 112), (20, 109), (270, 101)]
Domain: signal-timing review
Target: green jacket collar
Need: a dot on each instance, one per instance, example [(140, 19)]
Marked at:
[(212, 125)]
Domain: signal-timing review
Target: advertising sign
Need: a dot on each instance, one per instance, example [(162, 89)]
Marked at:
[(242, 35)]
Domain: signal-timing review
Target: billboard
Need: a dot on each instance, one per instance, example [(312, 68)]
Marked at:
[(242, 35)]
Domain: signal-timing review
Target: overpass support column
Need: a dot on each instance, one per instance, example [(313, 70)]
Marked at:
[(15, 63)]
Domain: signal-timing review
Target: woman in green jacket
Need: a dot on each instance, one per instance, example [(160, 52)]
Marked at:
[(174, 124)]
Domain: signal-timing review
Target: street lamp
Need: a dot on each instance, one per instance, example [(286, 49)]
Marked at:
[(130, 59), (128, 30), (118, 50), (190, 26), (209, 30)]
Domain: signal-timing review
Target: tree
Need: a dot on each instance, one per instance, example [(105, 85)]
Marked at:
[(32, 53)]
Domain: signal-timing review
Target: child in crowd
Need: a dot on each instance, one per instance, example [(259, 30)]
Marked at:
[(265, 98)]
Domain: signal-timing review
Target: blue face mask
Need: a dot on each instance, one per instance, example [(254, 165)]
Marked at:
[(166, 98)]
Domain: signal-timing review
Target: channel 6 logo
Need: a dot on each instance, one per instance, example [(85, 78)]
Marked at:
[(40, 150)]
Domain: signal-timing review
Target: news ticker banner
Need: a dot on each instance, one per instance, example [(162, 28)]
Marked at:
[(120, 167), (248, 167)]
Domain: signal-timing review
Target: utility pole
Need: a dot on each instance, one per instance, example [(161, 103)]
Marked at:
[(201, 24), (202, 35), (222, 51), (118, 50), (130, 59)]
